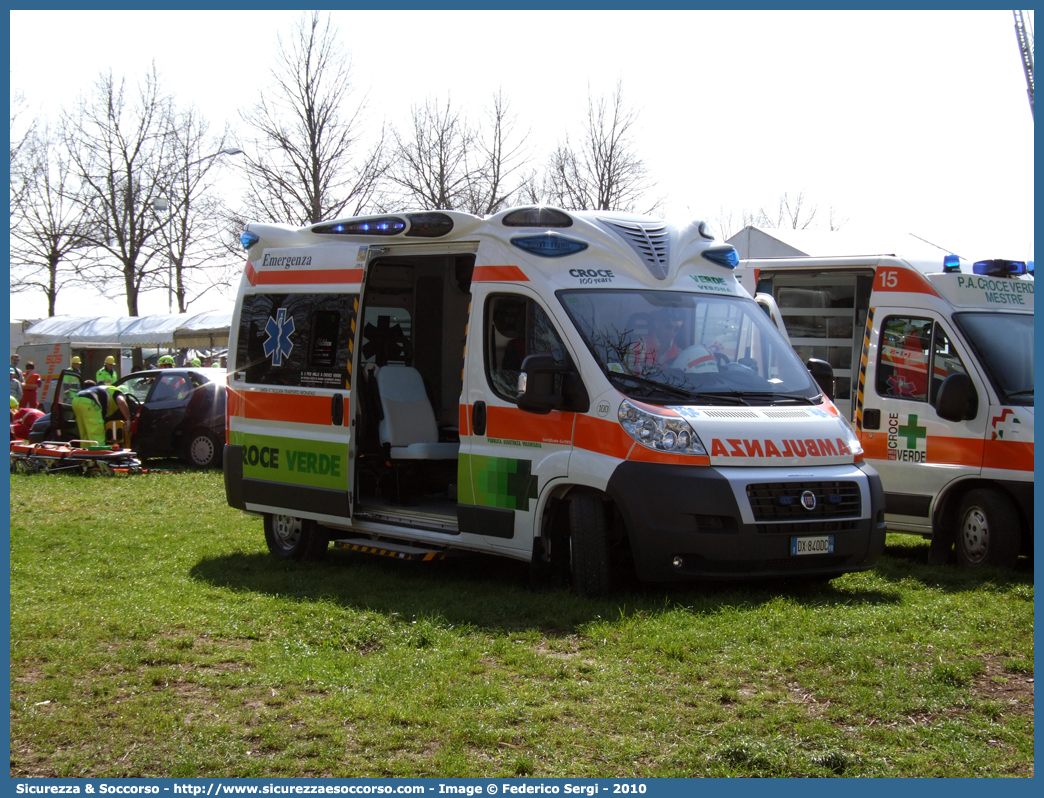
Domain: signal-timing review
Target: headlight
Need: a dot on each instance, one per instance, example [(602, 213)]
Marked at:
[(660, 433), (849, 437)]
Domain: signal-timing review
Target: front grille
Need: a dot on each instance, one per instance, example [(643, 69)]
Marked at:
[(782, 501), (650, 241)]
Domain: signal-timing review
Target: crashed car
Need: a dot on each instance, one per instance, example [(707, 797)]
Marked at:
[(174, 413)]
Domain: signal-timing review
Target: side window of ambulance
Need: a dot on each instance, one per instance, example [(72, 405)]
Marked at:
[(515, 327), (300, 340), (945, 360), (903, 358)]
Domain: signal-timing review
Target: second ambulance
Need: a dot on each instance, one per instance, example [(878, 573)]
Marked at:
[(585, 391), (934, 362)]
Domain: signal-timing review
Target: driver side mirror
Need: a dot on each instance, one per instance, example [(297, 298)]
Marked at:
[(823, 373), (957, 400), (540, 391)]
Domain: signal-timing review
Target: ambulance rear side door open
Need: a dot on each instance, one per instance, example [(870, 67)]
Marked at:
[(289, 393)]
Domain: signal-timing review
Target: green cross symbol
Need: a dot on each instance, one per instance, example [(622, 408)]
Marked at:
[(912, 432)]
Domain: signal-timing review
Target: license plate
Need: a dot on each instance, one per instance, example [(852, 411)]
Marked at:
[(820, 544)]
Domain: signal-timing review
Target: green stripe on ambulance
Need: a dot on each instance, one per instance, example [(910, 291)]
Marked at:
[(317, 464)]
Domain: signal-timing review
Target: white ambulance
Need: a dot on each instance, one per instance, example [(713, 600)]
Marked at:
[(934, 364), (583, 391)]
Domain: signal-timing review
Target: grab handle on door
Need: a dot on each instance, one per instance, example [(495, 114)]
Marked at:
[(478, 418), (337, 410)]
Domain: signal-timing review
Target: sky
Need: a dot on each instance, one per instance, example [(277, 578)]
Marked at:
[(912, 122)]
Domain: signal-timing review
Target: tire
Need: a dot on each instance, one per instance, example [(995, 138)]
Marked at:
[(291, 538), (988, 532), (588, 546), (201, 449)]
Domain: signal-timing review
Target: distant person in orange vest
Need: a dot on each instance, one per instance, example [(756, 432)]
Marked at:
[(30, 387)]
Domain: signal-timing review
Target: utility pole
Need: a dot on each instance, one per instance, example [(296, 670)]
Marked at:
[(1026, 51)]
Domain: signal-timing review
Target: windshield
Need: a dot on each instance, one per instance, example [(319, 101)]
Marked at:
[(677, 347), (1004, 345)]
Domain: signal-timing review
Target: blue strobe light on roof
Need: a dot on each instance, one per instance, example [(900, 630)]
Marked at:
[(951, 263), (723, 256), (549, 245), (999, 268), (248, 239)]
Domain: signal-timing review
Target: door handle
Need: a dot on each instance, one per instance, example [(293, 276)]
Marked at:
[(871, 418), (478, 418), (337, 410)]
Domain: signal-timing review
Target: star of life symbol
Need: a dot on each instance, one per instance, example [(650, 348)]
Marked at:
[(900, 386), (279, 330)]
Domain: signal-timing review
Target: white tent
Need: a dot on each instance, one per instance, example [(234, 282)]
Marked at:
[(203, 331), (127, 331)]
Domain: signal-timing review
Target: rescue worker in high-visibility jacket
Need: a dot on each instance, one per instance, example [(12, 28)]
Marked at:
[(107, 374), (93, 405)]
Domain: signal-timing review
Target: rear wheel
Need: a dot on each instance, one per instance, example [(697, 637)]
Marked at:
[(291, 538), (201, 449), (989, 531), (589, 546)]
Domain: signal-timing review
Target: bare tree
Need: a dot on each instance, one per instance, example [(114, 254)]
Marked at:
[(306, 164), (495, 163), (605, 171), (48, 228), (19, 167), (430, 164), (792, 212), (121, 150), (192, 214), (445, 163)]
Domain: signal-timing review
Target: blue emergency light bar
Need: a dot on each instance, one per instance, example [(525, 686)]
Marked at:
[(549, 245), (723, 256), (372, 226), (951, 264), (1000, 268), (248, 239)]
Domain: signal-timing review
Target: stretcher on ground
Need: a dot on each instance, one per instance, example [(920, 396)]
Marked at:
[(77, 456)]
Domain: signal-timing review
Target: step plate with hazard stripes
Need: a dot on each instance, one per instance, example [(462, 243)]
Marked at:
[(397, 551)]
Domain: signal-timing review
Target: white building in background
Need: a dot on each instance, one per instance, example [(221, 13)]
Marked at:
[(754, 242)]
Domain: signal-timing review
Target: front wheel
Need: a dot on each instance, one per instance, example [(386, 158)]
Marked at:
[(589, 546), (989, 531), (291, 538)]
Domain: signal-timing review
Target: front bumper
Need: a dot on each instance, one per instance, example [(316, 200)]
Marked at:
[(689, 522)]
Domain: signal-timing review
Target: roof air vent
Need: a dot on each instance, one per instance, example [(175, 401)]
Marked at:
[(649, 240)]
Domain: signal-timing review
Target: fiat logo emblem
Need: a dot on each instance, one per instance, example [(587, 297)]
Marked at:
[(808, 500)]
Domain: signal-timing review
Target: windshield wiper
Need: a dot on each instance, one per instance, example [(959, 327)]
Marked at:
[(1013, 394), (653, 384), (796, 397)]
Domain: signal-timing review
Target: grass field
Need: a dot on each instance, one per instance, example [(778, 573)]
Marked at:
[(152, 635)]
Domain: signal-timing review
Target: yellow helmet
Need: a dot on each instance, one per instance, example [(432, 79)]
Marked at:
[(110, 361), (76, 361)]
